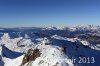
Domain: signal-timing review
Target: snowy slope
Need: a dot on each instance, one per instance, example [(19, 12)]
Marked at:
[(57, 47), (15, 62), (50, 56)]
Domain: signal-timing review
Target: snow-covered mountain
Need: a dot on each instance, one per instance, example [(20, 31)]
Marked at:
[(68, 46)]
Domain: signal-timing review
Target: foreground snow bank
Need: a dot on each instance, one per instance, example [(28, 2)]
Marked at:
[(50, 56), (15, 62)]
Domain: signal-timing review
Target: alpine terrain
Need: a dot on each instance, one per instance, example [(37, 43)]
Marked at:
[(50, 46)]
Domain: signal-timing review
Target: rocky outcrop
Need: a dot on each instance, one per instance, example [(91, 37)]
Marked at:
[(31, 55)]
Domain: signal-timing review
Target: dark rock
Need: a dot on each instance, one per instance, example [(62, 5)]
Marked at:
[(31, 56)]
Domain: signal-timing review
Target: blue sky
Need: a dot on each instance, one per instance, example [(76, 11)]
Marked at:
[(28, 13)]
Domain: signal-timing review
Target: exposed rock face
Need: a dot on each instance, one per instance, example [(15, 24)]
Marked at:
[(31, 56)]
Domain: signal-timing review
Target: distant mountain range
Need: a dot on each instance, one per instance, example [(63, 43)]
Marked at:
[(50, 46)]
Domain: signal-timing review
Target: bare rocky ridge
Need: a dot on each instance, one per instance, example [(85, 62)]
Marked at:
[(30, 56)]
